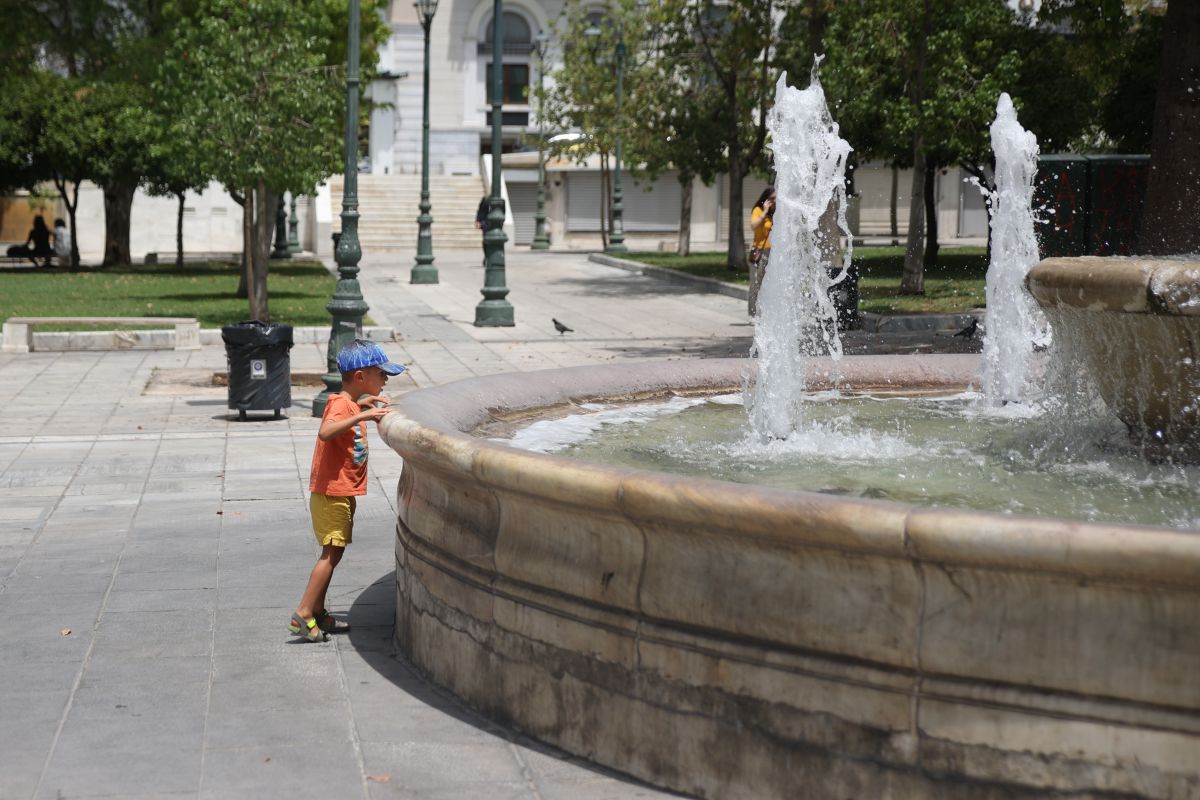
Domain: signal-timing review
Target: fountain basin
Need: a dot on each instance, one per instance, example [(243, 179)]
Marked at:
[(1135, 323), (739, 641)]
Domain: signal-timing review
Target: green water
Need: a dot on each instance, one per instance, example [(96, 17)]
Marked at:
[(929, 451)]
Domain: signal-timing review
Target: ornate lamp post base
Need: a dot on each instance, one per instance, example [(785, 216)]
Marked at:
[(494, 311), (494, 314), (281, 249)]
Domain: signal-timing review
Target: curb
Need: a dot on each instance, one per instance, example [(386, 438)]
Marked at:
[(65, 341), (918, 323), (673, 275)]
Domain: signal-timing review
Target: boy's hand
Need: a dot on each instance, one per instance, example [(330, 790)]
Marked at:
[(374, 401), (375, 413), (375, 406)]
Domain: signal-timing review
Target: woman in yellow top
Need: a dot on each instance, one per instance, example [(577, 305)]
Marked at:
[(761, 219)]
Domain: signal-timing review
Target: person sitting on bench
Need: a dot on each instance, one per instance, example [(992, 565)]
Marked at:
[(40, 236)]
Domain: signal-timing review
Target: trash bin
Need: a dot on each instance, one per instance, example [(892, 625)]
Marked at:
[(845, 298), (260, 373)]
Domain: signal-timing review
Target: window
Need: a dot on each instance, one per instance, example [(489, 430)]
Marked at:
[(518, 37), (516, 84)]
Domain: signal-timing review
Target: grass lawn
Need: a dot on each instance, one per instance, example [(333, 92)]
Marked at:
[(297, 291), (955, 284)]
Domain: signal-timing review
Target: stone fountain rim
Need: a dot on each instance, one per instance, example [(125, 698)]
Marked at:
[(432, 427), (1159, 286)]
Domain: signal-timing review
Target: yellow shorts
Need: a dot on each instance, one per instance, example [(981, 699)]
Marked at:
[(332, 519)]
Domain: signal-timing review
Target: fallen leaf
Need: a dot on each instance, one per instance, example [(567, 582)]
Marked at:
[(382, 777), (66, 631)]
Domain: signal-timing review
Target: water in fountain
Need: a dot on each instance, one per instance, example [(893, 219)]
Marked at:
[(1014, 322), (796, 317)]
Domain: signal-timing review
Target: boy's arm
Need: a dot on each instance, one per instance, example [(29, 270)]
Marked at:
[(332, 428)]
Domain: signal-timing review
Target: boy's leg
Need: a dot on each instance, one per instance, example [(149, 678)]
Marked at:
[(318, 582)]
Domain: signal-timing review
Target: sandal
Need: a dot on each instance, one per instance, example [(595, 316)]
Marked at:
[(307, 629), (328, 623)]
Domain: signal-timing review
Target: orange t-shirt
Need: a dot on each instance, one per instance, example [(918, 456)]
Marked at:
[(762, 236), (339, 466)]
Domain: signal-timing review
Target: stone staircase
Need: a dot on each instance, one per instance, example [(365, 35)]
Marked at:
[(387, 207)]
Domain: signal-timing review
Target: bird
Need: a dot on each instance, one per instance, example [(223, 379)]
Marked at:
[(969, 331), (558, 326)]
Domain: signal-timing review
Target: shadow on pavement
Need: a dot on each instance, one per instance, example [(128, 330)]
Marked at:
[(372, 615)]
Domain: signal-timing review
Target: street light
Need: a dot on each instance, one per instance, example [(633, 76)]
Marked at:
[(494, 310), (293, 236), (616, 235), (424, 271), (540, 240), (347, 306)]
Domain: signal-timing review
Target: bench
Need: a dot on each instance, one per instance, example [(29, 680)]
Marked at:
[(18, 331)]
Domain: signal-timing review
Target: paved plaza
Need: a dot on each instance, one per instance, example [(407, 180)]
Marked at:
[(152, 547)]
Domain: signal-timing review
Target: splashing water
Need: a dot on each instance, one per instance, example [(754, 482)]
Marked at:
[(795, 317), (1014, 321)]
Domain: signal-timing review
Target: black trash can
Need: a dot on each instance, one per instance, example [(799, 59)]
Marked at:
[(260, 371), (845, 298)]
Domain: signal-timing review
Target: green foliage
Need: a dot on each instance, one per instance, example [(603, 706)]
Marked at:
[(875, 93), (581, 93), (202, 290), (252, 94), (955, 284)]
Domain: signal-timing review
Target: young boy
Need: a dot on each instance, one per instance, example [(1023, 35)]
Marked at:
[(339, 474)]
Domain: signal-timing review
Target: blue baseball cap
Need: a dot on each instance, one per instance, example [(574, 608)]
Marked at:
[(363, 353)]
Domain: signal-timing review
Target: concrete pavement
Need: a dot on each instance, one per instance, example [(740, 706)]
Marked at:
[(152, 548)]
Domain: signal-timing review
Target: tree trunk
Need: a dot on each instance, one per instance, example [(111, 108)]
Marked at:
[(931, 220), (118, 205), (892, 215), (684, 246), (243, 290), (1169, 220), (264, 224), (179, 234), (71, 201), (912, 281), (736, 258)]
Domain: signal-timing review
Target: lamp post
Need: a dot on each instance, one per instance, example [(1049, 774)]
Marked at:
[(423, 270), (616, 237), (281, 244), (540, 240), (347, 306), (494, 310), (293, 236)]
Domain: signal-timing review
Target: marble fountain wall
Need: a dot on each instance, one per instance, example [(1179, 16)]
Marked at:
[(736, 641)]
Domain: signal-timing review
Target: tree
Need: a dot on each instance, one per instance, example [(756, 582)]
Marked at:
[(1169, 219), (735, 42), (263, 114), (922, 95), (581, 94)]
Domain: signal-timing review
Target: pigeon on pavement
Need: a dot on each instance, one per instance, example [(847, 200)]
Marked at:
[(558, 326), (969, 331)]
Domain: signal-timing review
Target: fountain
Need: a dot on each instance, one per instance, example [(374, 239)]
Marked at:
[(1014, 324), (1133, 326), (796, 318), (733, 640)]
